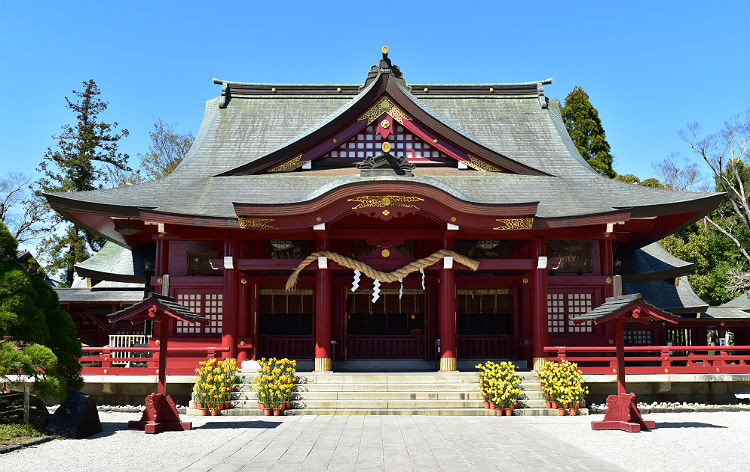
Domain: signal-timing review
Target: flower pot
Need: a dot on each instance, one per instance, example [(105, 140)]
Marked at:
[(554, 405), (561, 411), (499, 412), (266, 412), (493, 406), (203, 411), (260, 406), (573, 411), (507, 412), (487, 405), (214, 411), (547, 404), (227, 405), (580, 404), (276, 411), (287, 405), (195, 405)]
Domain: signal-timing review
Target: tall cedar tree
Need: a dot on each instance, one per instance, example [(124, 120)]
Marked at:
[(84, 157), (585, 129), (43, 343)]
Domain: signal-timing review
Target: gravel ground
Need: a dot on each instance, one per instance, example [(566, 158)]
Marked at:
[(682, 441)]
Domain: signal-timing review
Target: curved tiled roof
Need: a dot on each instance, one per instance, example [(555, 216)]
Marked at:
[(517, 125)]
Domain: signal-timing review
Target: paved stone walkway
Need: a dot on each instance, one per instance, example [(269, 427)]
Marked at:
[(402, 443)]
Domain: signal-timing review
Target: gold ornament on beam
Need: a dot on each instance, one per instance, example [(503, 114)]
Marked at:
[(511, 224), (375, 201), (385, 105), (294, 163), (246, 222), (479, 164)]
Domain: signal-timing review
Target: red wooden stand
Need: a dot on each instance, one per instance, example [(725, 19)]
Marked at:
[(622, 409), (160, 415), (622, 413)]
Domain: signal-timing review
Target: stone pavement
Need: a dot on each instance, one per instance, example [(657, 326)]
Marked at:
[(346, 443)]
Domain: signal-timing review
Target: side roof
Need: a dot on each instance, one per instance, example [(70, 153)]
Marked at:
[(652, 262), (679, 298)]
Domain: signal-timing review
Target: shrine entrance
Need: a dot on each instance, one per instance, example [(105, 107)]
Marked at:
[(392, 327)]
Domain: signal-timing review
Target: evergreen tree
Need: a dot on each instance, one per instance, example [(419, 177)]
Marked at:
[(42, 339), (83, 159), (585, 129)]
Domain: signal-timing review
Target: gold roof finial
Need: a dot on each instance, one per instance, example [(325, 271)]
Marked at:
[(385, 50)]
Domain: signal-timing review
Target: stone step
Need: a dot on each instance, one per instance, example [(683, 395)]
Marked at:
[(365, 387), (254, 411)]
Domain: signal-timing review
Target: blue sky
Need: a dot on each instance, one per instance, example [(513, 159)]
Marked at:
[(649, 67)]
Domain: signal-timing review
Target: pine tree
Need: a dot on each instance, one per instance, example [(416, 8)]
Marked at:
[(84, 157), (42, 342), (585, 129)]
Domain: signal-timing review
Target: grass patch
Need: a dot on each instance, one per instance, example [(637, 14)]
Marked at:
[(13, 433)]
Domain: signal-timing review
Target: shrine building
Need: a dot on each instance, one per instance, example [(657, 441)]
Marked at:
[(498, 229)]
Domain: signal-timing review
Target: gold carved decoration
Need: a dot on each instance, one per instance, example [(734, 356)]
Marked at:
[(385, 105), (479, 164), (294, 163), (373, 201), (385, 253), (247, 222), (386, 146), (509, 224)]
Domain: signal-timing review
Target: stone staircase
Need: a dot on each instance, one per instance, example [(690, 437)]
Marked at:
[(423, 393)]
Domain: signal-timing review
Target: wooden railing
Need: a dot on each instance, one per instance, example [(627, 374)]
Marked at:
[(485, 346), (657, 359), (405, 346), (144, 360)]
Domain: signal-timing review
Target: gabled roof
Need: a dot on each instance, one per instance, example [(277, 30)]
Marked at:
[(154, 304), (653, 262), (253, 127), (614, 307), (384, 85), (678, 298)]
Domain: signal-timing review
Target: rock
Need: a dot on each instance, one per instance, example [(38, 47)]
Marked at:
[(76, 418)]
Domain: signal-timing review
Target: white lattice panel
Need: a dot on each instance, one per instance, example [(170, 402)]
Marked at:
[(556, 312), (579, 303), (403, 143), (193, 302)]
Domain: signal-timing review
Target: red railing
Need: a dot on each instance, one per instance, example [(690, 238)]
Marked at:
[(144, 360), (479, 346), (405, 346), (292, 347), (657, 359)]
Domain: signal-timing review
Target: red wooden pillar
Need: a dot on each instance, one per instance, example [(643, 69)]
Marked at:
[(231, 299), (447, 315), (163, 330), (254, 319), (538, 306), (243, 322), (323, 360), (620, 351), (162, 257)]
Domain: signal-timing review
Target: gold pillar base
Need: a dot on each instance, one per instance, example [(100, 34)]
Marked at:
[(447, 364), (323, 364), (539, 363)]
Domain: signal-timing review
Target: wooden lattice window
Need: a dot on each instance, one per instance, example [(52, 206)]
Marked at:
[(209, 304), (563, 306), (637, 337), (403, 143)]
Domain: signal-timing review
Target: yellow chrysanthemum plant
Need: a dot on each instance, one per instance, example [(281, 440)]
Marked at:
[(562, 383), (214, 381), (275, 381), (499, 384)]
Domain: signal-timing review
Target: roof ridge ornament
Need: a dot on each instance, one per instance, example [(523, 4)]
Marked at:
[(385, 66)]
